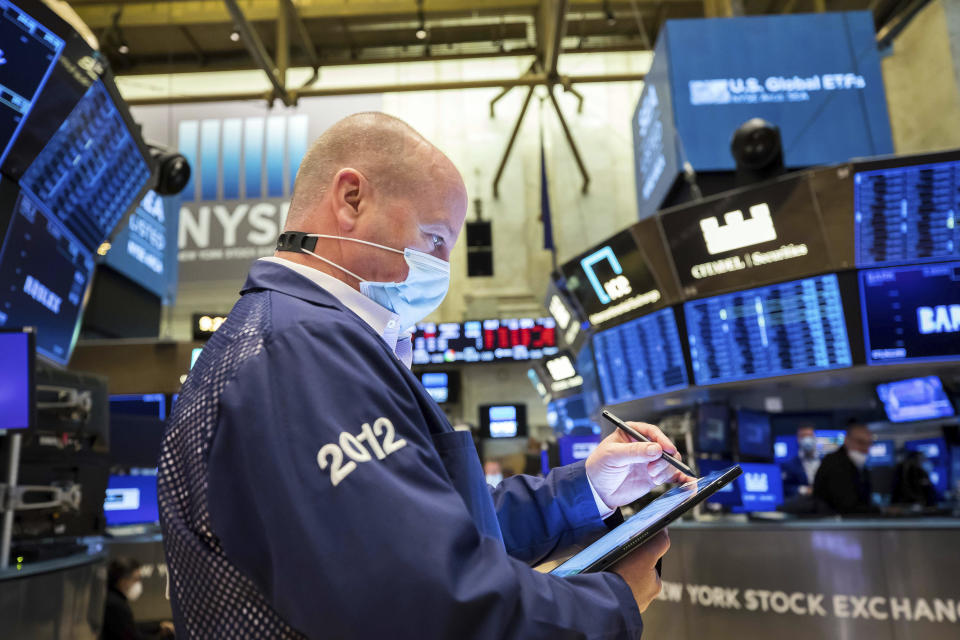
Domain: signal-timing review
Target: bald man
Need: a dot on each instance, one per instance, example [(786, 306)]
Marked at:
[(310, 487)]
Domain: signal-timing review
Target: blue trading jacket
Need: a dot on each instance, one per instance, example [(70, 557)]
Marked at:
[(309, 487)]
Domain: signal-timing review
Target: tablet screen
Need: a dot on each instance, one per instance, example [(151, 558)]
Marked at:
[(678, 499)]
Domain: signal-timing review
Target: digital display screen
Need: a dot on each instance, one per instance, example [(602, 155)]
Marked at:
[(16, 380), (92, 171), (882, 454), (44, 275), (145, 248), (937, 463), (612, 280), (131, 499), (574, 448), (907, 214), (759, 487), (713, 428), (27, 55), (829, 440), (151, 404), (640, 358), (915, 399), (911, 313), (587, 368), (775, 330), (437, 385), (785, 448), (754, 434), (569, 417), (672, 500), (828, 100), (766, 233), (484, 340), (503, 421)]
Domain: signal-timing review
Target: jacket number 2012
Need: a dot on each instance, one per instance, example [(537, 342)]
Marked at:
[(331, 455)]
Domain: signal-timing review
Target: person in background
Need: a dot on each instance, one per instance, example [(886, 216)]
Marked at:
[(799, 472), (842, 484), (124, 586), (493, 472), (911, 482)]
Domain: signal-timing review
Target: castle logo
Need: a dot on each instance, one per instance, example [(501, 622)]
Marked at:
[(736, 232)]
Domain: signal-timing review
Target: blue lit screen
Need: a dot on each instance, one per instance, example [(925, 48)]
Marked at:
[(573, 448), (92, 170), (44, 275), (882, 454), (937, 463), (131, 499), (754, 434), (915, 399), (152, 404), (793, 327), (640, 358), (16, 377), (785, 448), (503, 421), (437, 385), (907, 214), (569, 417), (759, 487), (911, 313), (27, 55)]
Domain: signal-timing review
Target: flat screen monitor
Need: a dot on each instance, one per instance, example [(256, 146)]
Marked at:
[(754, 434), (911, 314), (915, 399), (569, 416), (612, 280), (761, 487), (153, 405), (131, 499), (93, 171), (829, 440), (17, 408), (785, 448), (883, 453), (574, 448), (937, 463), (45, 274), (907, 213), (441, 385), (484, 340), (503, 420), (713, 429), (728, 496), (780, 329), (587, 368), (28, 55), (640, 358)]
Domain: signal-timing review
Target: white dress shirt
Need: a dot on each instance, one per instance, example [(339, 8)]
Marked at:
[(385, 322)]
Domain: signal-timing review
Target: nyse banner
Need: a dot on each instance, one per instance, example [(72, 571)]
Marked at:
[(244, 158), (613, 280), (746, 238)]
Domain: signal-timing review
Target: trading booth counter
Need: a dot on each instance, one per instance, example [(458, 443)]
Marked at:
[(58, 598), (878, 579)]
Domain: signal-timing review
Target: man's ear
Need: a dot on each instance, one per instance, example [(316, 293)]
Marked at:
[(349, 189)]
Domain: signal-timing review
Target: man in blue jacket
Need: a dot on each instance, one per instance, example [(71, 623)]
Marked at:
[(309, 487)]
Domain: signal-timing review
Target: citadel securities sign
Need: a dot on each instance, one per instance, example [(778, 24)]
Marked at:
[(244, 159)]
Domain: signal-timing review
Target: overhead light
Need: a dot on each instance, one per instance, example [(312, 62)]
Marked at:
[(103, 249), (235, 36), (421, 34), (123, 49), (608, 12)]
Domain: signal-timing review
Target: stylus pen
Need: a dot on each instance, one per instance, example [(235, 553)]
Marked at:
[(636, 435)]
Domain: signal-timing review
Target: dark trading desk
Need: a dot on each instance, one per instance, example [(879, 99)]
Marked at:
[(875, 579)]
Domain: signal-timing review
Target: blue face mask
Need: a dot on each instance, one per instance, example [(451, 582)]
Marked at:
[(413, 299)]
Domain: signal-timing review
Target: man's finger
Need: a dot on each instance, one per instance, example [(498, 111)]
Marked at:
[(632, 453), (655, 434), (656, 547)]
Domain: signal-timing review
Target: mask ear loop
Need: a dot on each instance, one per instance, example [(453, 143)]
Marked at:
[(333, 264), (372, 244)]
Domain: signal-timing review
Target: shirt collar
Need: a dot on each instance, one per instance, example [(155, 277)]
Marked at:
[(385, 322)]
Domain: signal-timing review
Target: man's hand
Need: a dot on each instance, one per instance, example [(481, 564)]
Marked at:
[(622, 469), (638, 569)]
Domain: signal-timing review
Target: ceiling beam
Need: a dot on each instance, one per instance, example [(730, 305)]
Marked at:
[(551, 24), (257, 51)]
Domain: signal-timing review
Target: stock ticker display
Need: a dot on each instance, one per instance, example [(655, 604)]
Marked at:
[(907, 214), (793, 327), (640, 358), (44, 274), (92, 170), (28, 52), (484, 340), (911, 313)]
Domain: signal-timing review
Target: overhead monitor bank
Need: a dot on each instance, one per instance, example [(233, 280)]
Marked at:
[(710, 76)]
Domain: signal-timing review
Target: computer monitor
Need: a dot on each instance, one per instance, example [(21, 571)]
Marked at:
[(17, 403), (761, 487), (568, 416), (153, 405), (936, 452), (131, 499), (754, 434), (574, 448), (829, 440), (728, 496), (882, 454), (441, 385), (915, 399), (785, 448), (503, 420), (713, 428)]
